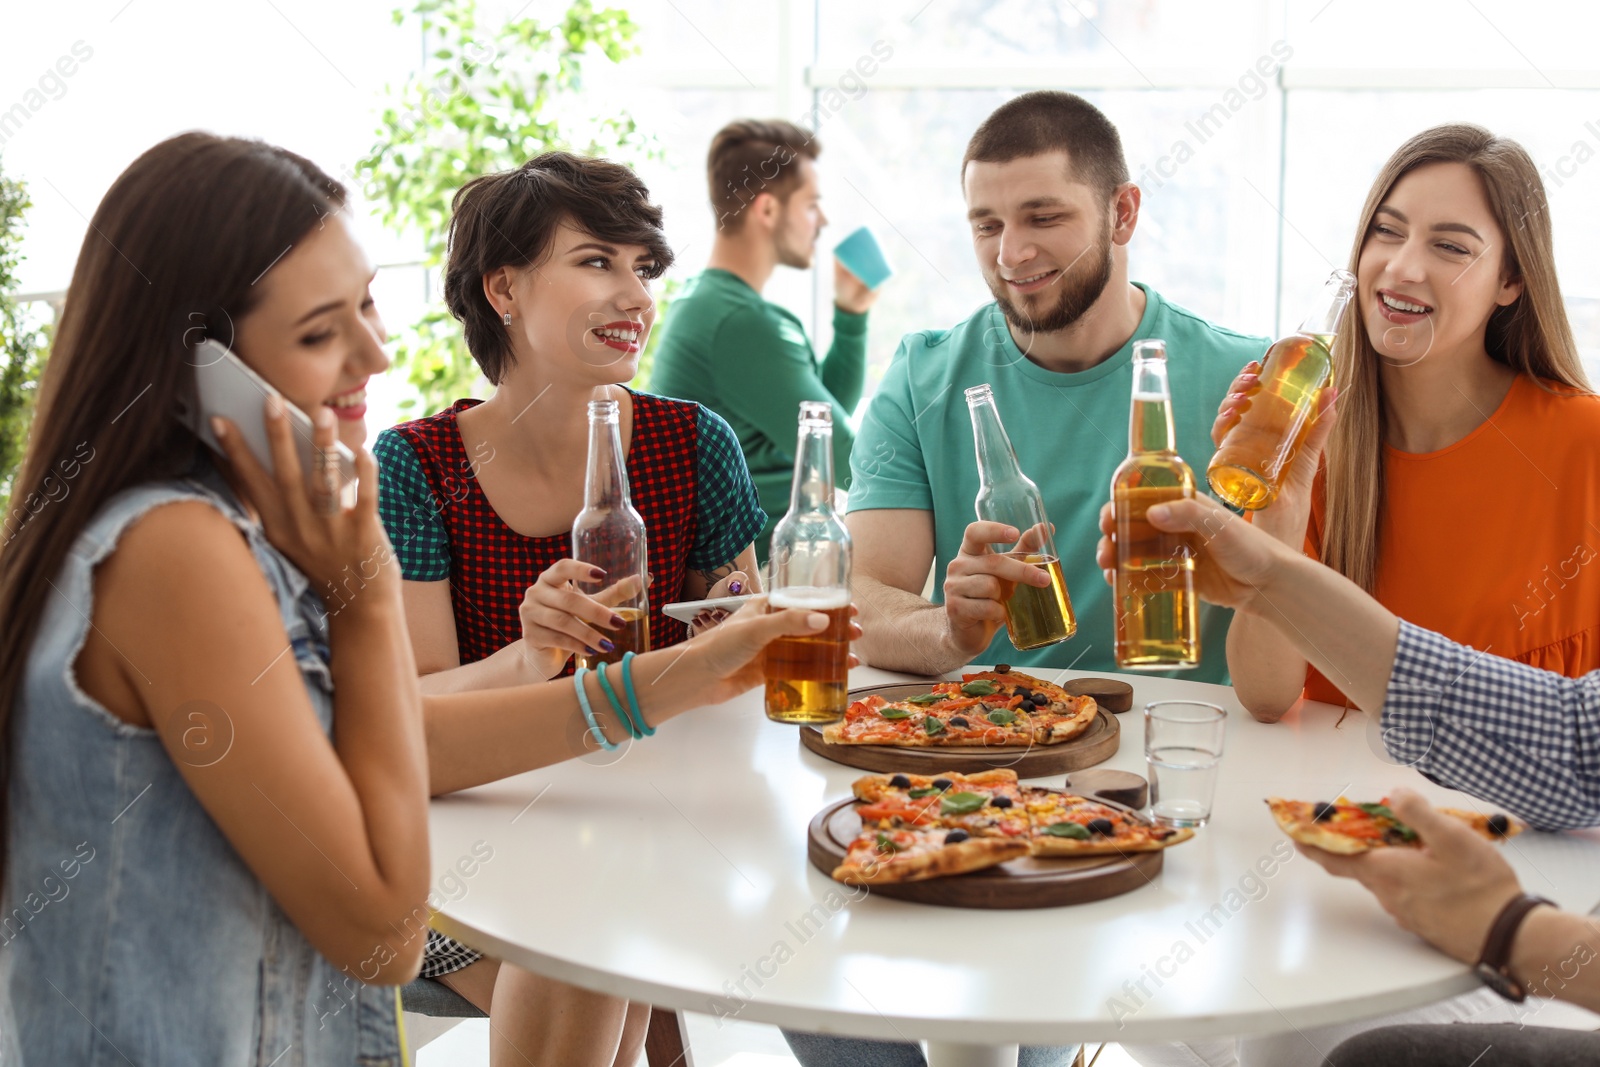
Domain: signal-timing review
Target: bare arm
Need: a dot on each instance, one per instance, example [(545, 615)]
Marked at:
[(1327, 619), (900, 630), (431, 620), (337, 832), (1267, 668), (904, 632), (483, 736)]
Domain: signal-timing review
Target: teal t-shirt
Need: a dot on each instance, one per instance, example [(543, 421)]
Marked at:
[(1070, 431)]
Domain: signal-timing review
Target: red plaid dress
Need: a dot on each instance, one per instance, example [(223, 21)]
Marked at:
[(492, 566)]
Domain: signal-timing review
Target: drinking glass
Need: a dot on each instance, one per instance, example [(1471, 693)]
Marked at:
[(1182, 747)]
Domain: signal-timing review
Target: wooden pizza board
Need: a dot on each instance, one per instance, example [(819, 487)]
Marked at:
[(1095, 745), (1026, 882)]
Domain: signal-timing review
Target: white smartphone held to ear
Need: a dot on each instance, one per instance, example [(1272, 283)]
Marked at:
[(226, 387)]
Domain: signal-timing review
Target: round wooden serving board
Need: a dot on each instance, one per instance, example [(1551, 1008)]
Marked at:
[(1026, 882), (1095, 745)]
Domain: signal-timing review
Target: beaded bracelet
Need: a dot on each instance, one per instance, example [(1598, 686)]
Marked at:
[(635, 731), (588, 712), (633, 698)]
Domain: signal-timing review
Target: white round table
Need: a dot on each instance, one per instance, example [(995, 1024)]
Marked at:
[(674, 872)]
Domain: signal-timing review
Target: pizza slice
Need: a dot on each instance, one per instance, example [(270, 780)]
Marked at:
[(931, 720), (1054, 714), (984, 803), (884, 856), (1348, 828), (1066, 825)]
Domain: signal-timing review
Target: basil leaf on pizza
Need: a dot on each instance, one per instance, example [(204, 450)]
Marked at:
[(961, 803)]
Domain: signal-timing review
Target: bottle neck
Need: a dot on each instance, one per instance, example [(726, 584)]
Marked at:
[(1323, 320), (997, 460), (606, 477), (1150, 417), (813, 471)]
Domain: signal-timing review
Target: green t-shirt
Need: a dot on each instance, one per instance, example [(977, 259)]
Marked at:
[(1070, 431), (750, 361)]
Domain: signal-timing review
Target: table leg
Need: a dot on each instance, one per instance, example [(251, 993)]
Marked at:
[(951, 1054)]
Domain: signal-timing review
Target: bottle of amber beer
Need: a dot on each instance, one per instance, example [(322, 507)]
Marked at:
[(1035, 615), (1247, 468), (806, 675), (609, 534), (1157, 614)]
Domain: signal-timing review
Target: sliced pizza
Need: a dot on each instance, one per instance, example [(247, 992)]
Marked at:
[(1348, 828), (1067, 825), (883, 856), (993, 709), (984, 803)]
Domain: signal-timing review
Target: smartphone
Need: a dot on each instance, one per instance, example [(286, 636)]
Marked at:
[(688, 609), (226, 387)]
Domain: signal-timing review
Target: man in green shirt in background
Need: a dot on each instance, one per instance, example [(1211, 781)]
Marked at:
[(745, 358), (1051, 212)]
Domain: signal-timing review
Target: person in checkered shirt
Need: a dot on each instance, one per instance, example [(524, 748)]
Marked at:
[(1523, 738)]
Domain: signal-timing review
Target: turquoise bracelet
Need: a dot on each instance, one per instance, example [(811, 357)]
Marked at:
[(588, 712), (634, 729), (633, 698)]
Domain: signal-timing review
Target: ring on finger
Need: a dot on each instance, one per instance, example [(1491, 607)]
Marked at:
[(326, 467)]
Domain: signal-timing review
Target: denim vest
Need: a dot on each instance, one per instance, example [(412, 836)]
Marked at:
[(131, 931)]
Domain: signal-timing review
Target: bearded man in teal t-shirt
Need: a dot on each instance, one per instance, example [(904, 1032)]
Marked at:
[(1052, 213)]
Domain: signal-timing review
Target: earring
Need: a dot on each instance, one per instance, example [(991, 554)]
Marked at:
[(508, 318)]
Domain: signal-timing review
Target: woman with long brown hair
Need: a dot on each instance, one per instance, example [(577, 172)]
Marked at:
[(199, 867), (1461, 482)]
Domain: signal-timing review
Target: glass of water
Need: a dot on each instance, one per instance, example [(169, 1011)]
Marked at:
[(1182, 747)]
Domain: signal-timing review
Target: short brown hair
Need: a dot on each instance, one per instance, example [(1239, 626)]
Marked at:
[(749, 157), (1048, 121), (509, 219)]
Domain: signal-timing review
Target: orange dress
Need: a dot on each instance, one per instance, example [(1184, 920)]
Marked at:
[(1494, 542)]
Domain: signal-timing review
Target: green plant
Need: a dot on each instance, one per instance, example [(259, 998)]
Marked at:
[(493, 103), (22, 347)]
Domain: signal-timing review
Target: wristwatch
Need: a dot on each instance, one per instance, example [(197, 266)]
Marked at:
[(1494, 964)]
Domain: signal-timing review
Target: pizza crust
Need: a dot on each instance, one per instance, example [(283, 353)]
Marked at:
[(863, 867), (1155, 840)]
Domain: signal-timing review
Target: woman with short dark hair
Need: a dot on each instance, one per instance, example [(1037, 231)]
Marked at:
[(549, 271)]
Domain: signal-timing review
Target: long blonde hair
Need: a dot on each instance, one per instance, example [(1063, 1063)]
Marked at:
[(1531, 335)]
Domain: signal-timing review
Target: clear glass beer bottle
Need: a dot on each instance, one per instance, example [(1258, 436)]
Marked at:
[(609, 534), (1157, 613), (1036, 616), (1247, 468), (806, 676)]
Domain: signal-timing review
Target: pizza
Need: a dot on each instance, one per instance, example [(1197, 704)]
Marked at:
[(1065, 825), (991, 709), (1348, 828), (885, 855), (910, 822)]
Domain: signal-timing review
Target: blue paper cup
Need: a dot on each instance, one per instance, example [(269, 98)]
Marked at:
[(862, 256)]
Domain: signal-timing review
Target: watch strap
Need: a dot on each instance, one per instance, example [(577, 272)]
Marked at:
[(1494, 963)]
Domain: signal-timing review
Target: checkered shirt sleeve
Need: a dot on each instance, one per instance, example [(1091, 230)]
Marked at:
[(409, 512), (725, 499), (1523, 738)]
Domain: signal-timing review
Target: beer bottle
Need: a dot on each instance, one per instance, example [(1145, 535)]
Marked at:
[(1036, 616), (1157, 613), (810, 558), (609, 534), (1247, 468)]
